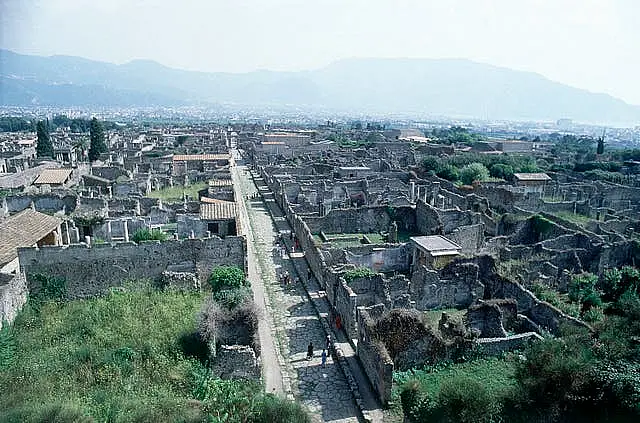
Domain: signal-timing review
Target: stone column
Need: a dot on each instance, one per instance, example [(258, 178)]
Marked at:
[(125, 230), (67, 237), (109, 234)]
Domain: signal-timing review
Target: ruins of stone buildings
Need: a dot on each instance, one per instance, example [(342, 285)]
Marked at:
[(425, 243), (431, 245)]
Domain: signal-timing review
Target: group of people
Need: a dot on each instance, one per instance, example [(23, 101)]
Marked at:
[(326, 351), (285, 278)]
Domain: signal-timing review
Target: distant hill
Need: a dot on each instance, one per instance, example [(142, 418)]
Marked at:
[(451, 87)]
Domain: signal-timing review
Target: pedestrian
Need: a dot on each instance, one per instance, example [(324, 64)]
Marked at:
[(291, 235), (308, 274), (324, 358), (338, 322), (310, 351), (328, 345)]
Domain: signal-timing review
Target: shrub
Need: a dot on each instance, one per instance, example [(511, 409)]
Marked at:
[(609, 283), (430, 163), (555, 369), (145, 234), (466, 400), (502, 171), (225, 277), (448, 172), (217, 323), (473, 172), (232, 297), (276, 409), (52, 288)]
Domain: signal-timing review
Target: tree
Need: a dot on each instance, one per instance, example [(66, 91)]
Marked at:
[(473, 172), (97, 145), (502, 171), (44, 148), (600, 148)]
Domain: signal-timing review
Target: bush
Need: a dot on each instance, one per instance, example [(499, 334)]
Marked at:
[(276, 409), (466, 400), (555, 369), (473, 172), (144, 234), (226, 277), (501, 171), (52, 288), (448, 172), (232, 297)]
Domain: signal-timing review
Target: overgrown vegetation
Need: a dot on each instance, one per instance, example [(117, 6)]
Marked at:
[(357, 273), (146, 234), (580, 376), (484, 166), (121, 358)]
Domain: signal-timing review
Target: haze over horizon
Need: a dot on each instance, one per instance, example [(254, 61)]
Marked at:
[(588, 44)]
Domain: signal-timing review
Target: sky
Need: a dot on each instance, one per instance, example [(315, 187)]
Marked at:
[(589, 44)]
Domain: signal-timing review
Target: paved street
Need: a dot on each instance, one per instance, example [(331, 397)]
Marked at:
[(291, 320)]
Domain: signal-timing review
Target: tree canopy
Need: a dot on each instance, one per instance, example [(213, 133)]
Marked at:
[(97, 145), (44, 148)]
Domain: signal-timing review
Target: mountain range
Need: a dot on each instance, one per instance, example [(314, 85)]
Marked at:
[(443, 87)]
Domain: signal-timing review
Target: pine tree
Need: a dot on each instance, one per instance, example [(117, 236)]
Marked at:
[(97, 145), (44, 148), (600, 148)]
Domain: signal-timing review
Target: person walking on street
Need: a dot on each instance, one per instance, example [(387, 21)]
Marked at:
[(310, 351), (324, 358)]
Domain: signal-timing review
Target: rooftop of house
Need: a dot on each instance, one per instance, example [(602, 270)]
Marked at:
[(218, 210), (53, 177), (531, 177), (24, 230), (436, 244)]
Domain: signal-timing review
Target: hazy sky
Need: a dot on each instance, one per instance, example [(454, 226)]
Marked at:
[(592, 44)]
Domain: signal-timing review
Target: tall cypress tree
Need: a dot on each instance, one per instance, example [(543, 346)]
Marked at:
[(44, 148), (97, 145)]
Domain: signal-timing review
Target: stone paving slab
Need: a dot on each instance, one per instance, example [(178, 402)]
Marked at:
[(325, 391)]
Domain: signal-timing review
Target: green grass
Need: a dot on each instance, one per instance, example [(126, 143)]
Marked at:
[(125, 357), (176, 193), (496, 375), (108, 358)]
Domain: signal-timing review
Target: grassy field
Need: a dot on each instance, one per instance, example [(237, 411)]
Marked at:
[(116, 358), (496, 374), (176, 193), (125, 357)]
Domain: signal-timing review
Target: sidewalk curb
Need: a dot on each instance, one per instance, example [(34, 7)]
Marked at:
[(344, 366)]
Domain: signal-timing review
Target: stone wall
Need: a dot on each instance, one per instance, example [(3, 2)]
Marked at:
[(375, 359), (46, 203), (360, 220), (459, 288), (469, 237), (91, 271), (385, 259), (498, 346), (13, 295), (236, 362)]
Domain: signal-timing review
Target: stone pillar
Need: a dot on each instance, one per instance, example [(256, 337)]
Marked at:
[(412, 186), (75, 235), (125, 230), (109, 234), (67, 236)]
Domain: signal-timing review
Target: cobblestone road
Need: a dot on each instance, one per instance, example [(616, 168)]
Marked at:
[(324, 390)]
